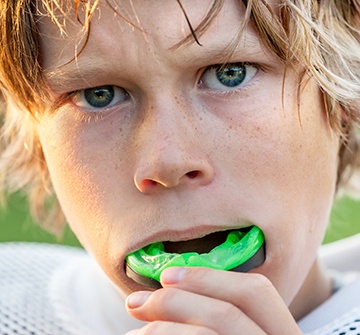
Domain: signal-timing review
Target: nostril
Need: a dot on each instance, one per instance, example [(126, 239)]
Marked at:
[(147, 183), (192, 174)]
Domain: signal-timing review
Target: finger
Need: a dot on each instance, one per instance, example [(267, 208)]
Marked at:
[(166, 328), (190, 308), (252, 293)]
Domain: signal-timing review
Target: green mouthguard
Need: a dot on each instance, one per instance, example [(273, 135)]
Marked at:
[(239, 247)]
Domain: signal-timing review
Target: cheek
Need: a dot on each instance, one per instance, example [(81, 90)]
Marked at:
[(286, 165), (84, 174), (287, 155), (301, 186)]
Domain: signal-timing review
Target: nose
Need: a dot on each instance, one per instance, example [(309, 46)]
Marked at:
[(169, 171), (171, 154)]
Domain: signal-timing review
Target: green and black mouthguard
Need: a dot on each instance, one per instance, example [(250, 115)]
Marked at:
[(243, 250)]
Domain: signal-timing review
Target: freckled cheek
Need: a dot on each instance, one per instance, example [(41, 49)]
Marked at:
[(285, 166), (84, 176), (295, 187)]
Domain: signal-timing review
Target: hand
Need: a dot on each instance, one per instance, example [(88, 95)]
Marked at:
[(203, 301)]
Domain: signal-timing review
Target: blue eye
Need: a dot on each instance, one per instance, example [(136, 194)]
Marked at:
[(99, 97), (231, 76), (227, 77)]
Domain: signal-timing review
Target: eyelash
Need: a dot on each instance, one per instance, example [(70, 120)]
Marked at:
[(254, 69), (87, 115), (96, 114)]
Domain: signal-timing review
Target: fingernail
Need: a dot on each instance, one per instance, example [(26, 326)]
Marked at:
[(137, 299), (173, 275)]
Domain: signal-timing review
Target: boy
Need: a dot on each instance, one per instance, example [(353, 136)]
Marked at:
[(174, 122)]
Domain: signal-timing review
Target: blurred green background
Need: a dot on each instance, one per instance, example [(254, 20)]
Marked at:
[(17, 225)]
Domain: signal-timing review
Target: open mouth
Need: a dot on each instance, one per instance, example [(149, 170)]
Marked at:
[(236, 250)]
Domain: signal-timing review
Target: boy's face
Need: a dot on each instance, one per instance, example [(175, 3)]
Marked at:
[(179, 149)]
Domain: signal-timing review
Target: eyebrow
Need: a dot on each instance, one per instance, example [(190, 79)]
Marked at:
[(71, 73), (80, 72), (248, 47)]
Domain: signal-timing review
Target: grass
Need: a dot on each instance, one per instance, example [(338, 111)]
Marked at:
[(345, 219), (17, 225)]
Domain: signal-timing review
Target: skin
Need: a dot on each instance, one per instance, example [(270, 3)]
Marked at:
[(180, 158)]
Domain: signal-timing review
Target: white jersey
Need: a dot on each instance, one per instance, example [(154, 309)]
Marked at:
[(339, 315), (57, 290)]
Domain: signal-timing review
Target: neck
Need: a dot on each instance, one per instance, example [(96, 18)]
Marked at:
[(316, 289)]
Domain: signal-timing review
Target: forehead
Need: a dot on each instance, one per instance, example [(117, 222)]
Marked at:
[(136, 14), (160, 24)]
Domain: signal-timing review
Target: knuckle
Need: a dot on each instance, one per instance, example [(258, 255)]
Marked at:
[(165, 297), (230, 314), (261, 283), (228, 309), (166, 327), (153, 327), (203, 331)]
